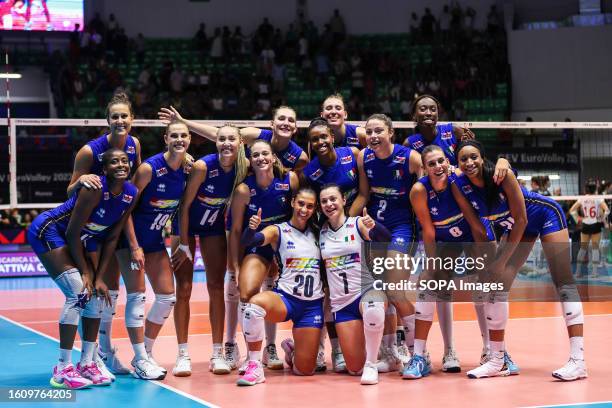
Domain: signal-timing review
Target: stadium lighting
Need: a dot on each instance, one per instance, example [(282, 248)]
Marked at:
[(7, 75), (550, 176)]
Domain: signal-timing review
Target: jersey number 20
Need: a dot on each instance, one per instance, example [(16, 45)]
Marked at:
[(307, 283)]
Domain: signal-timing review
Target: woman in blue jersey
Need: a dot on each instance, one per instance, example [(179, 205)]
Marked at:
[(390, 171), (269, 188), (298, 294), (161, 182), (359, 310), (202, 213), (86, 173), (56, 237), (345, 134), (525, 216)]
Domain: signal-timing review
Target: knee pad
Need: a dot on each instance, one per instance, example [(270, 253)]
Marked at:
[(253, 323), (373, 316), (93, 309), (231, 293), (161, 308), (135, 309), (582, 255), (497, 315), (108, 312), (571, 305), (391, 311), (268, 284), (595, 255), (425, 311), (71, 284), (478, 298)]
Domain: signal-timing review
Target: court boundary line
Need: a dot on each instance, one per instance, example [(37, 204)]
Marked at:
[(568, 405), (159, 384)]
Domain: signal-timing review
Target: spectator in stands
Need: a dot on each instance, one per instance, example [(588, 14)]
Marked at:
[(216, 48), (568, 136), (139, 45), (470, 17), (444, 22), (337, 27), (535, 184), (201, 40), (428, 22), (493, 20), (545, 185)]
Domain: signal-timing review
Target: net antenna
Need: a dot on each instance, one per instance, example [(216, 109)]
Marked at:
[(12, 142)]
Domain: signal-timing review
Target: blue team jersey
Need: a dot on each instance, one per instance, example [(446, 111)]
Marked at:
[(446, 216), (275, 201), (390, 183), (158, 202), (207, 210), (343, 172), (544, 215), (350, 136), (48, 231), (288, 157), (100, 145), (445, 138)]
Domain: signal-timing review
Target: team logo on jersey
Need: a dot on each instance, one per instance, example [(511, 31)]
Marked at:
[(163, 204), (92, 226), (447, 135), (418, 145), (302, 263), (213, 173), (432, 194), (342, 260), (369, 173), (161, 171), (398, 174), (281, 186), (161, 187), (100, 213), (287, 231), (210, 188), (127, 198), (290, 245), (106, 196), (369, 157), (213, 202), (253, 192), (352, 140), (316, 174), (131, 150), (346, 160), (291, 158), (399, 159), (467, 189), (434, 211)]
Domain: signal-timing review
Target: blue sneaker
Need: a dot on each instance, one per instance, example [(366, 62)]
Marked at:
[(513, 369), (416, 368)]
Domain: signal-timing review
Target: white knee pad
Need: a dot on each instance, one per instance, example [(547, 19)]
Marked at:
[(478, 298), (373, 316), (595, 255), (93, 309), (425, 311), (268, 284), (571, 305), (108, 312), (231, 293), (253, 323), (71, 284), (135, 309), (582, 255), (497, 311), (161, 308), (391, 311)]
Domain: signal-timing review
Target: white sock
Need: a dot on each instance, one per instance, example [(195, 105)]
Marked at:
[(445, 318), (217, 349), (87, 352), (106, 323), (254, 355), (482, 324), (148, 344), (182, 349), (372, 344), (577, 347), (65, 357), (140, 351), (388, 340), (419, 347), (409, 322), (231, 320)]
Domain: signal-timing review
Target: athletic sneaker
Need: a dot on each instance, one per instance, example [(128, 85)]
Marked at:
[(218, 365), (182, 367), (417, 367), (321, 366), (495, 367), (69, 378), (389, 361), (146, 370), (152, 360), (403, 353), (450, 362), (338, 363), (370, 374), (288, 347), (574, 369), (92, 373), (484, 357), (270, 358), (513, 369), (112, 362), (101, 366), (232, 355), (254, 374), (243, 367)]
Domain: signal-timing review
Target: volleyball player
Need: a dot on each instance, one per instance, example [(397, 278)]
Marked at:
[(56, 237), (202, 213), (161, 182), (86, 173), (345, 134), (359, 310), (298, 295), (270, 189), (389, 171), (525, 216), (594, 211)]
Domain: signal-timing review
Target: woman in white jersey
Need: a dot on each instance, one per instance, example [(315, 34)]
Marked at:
[(359, 310), (594, 211), (297, 296)]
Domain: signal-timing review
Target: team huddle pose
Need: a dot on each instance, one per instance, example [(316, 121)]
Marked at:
[(260, 198)]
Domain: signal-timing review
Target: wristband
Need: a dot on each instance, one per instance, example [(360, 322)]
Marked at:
[(186, 250)]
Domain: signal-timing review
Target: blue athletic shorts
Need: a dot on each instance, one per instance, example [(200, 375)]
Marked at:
[(544, 216), (303, 313), (266, 252), (403, 238), (349, 312), (43, 235)]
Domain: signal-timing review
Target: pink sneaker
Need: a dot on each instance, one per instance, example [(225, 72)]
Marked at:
[(254, 374), (288, 346), (93, 373), (69, 378)]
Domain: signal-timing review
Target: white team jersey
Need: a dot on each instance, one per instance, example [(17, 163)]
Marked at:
[(300, 259), (342, 253), (591, 210)]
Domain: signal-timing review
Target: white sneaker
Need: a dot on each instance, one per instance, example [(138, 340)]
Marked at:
[(389, 361), (495, 367), (270, 358), (450, 362), (321, 366), (572, 370), (370, 374), (152, 360), (218, 365), (101, 366), (182, 367), (146, 370), (484, 356), (243, 367), (111, 361), (338, 363), (232, 355), (403, 353)]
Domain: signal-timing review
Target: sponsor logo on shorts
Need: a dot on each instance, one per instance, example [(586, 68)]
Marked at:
[(318, 319), (94, 227)]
